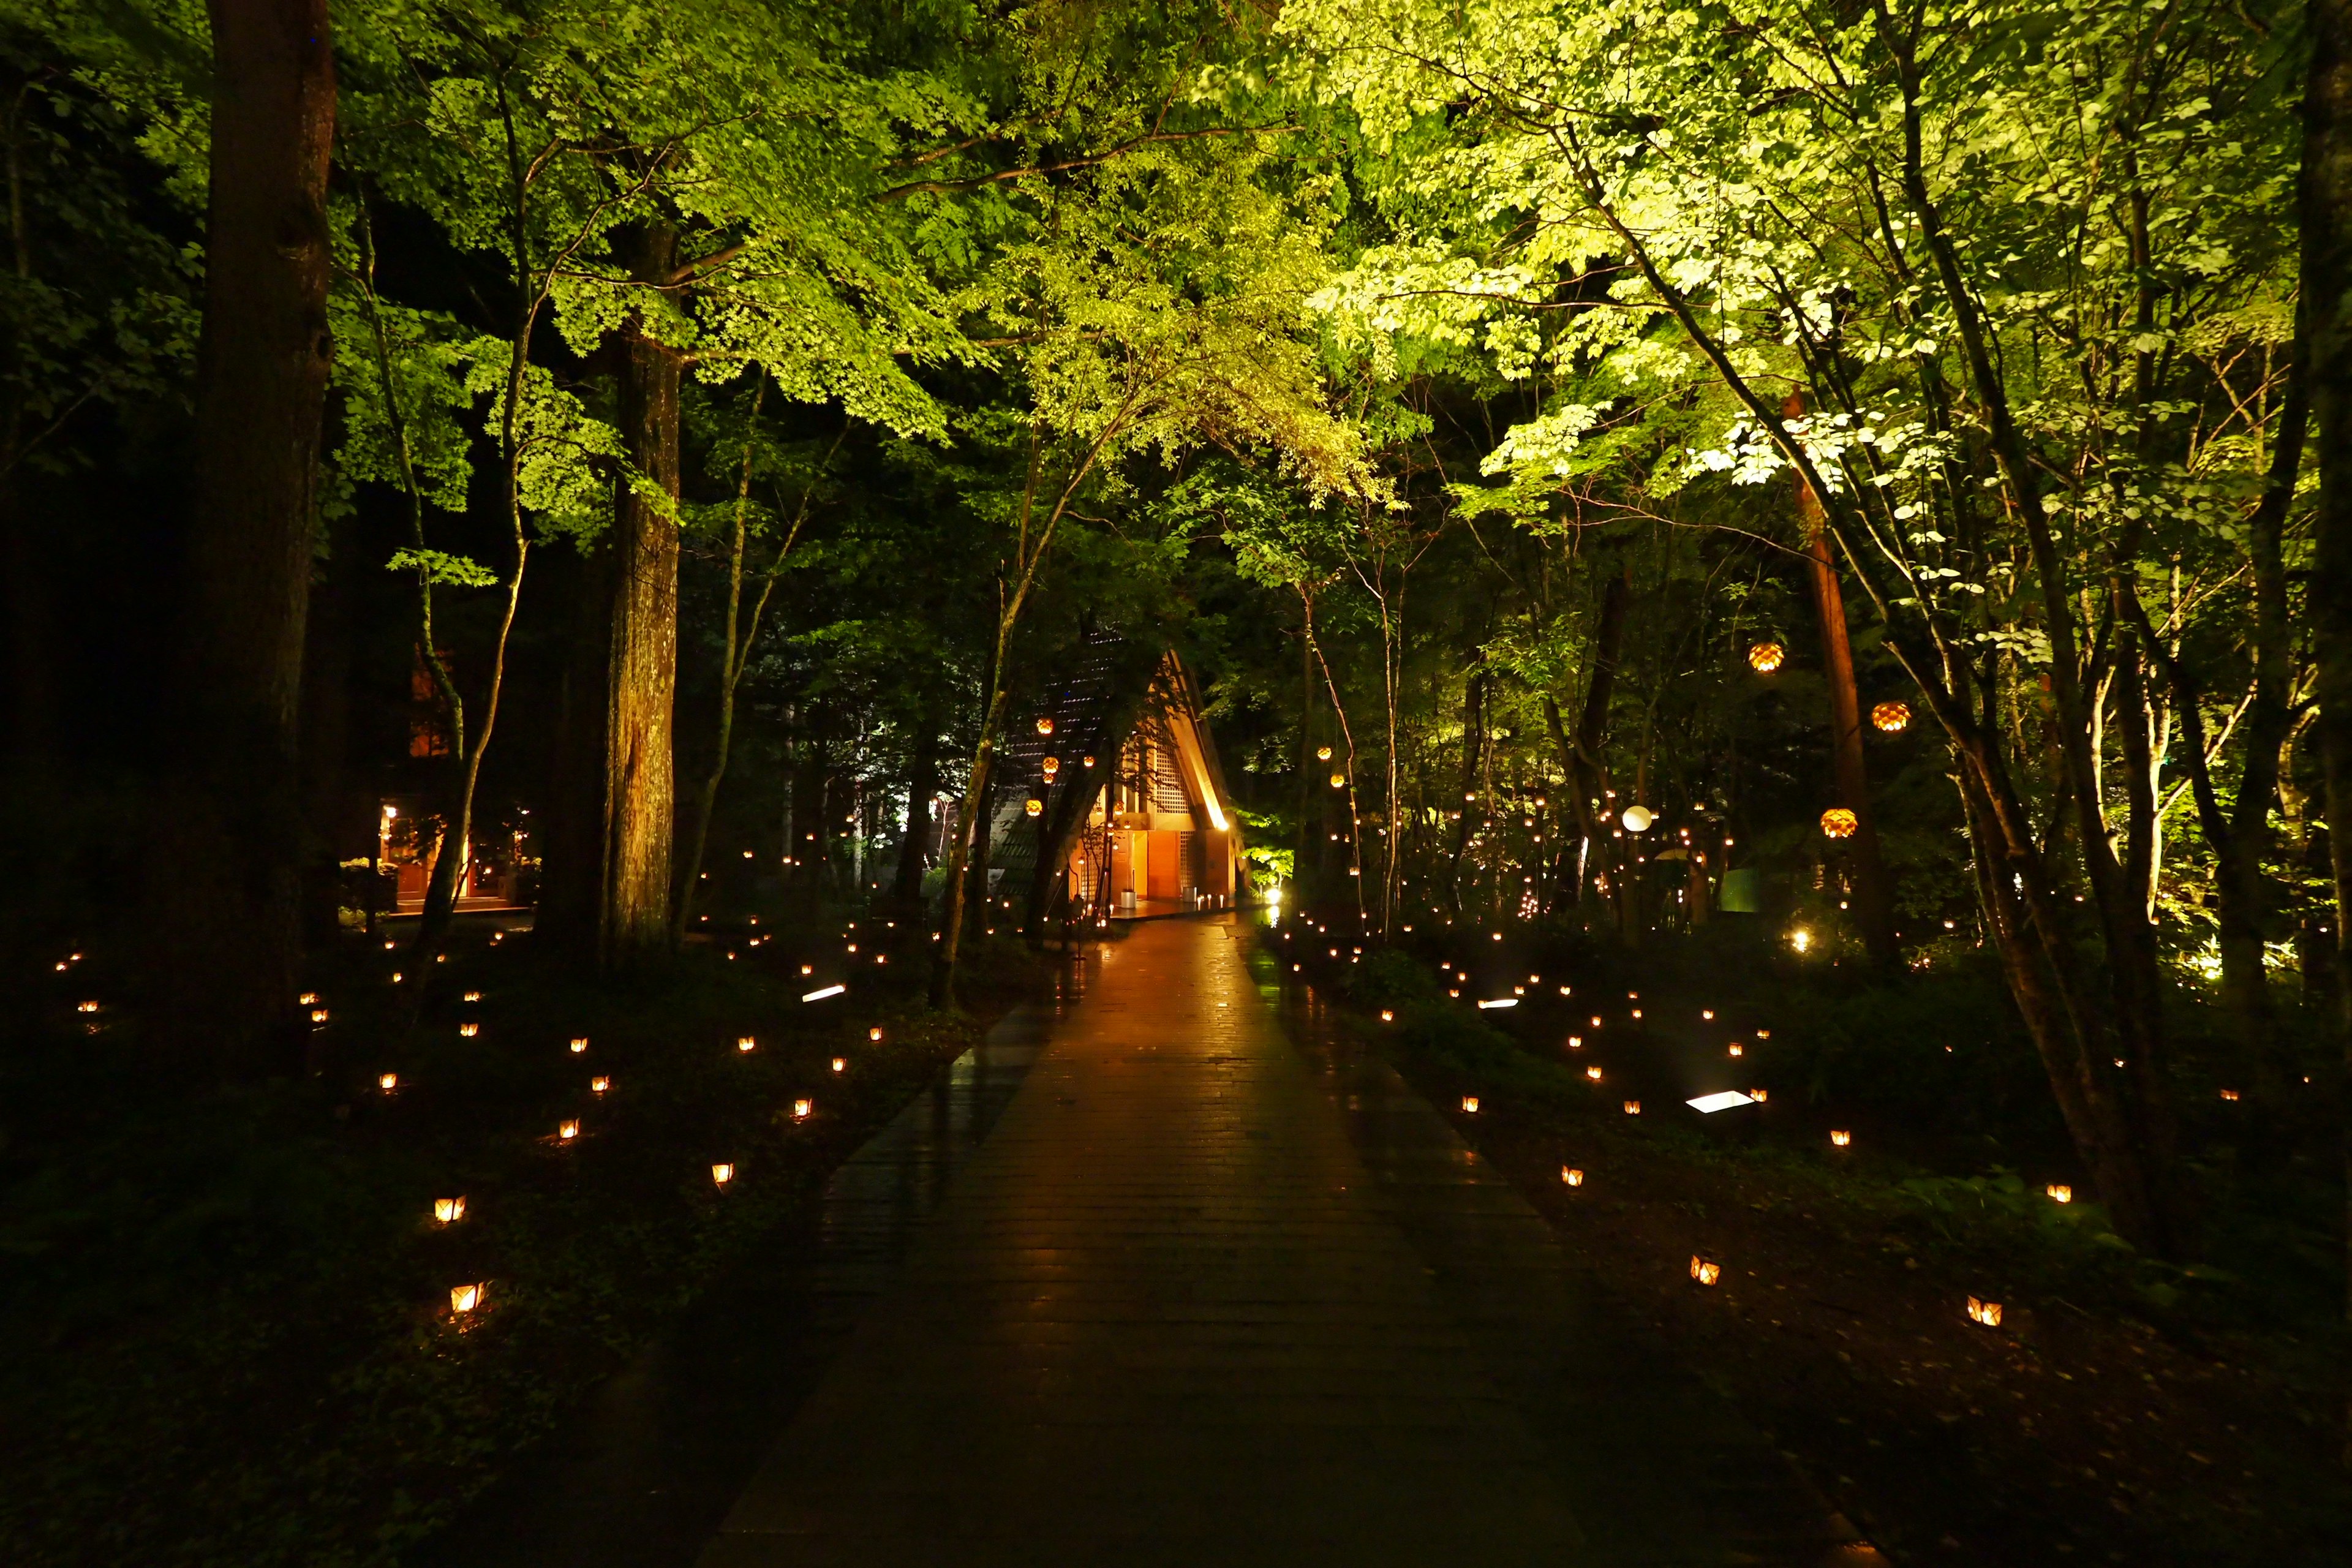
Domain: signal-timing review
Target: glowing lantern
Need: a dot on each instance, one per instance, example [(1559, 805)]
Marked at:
[(467, 1031), (2060, 1193), (1705, 1272), (1576, 1042), (1593, 1073), (1757, 1095), (473, 996), (1707, 1013), (721, 1175), (1469, 1105), (1637, 1012), (841, 1064), (1087, 763), (1892, 717), (86, 1007), (566, 1130), (1049, 767), (464, 1298), (2226, 1094), (1837, 822), (1763, 1034), (803, 1109), (745, 1042), (318, 1014), (1766, 656), (1800, 939), (599, 1084), (448, 1211), (1637, 819), (1632, 1107), (1045, 726), (308, 999), (1987, 1313), (579, 1044), (1322, 753), (388, 1081), (1033, 806), (395, 977), (1841, 1139), (1572, 1177), (1735, 1048), (1388, 1015), (1337, 781), (808, 969)]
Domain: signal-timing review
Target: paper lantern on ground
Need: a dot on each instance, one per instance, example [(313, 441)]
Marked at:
[(1987, 1313), (1837, 822), (579, 1044), (1705, 1272), (841, 1064), (1765, 656), (388, 1081), (1469, 1105), (566, 1130), (746, 1042), (1891, 717), (803, 1109), (318, 1014), (1758, 1096), (473, 996), (1593, 1073), (721, 1175), (464, 1298), (1841, 1139), (467, 1031), (599, 1084), (1571, 1175), (874, 1034), (448, 1211), (2060, 1193), (1632, 1107)]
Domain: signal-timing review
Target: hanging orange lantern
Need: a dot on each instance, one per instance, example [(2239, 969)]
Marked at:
[(1322, 753), (1033, 806), (1049, 767), (1766, 656), (1338, 781), (1893, 718), (746, 1042), (1837, 822), (1087, 763)]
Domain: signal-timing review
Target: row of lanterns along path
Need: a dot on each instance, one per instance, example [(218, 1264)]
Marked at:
[(1310, 933), (470, 1297)]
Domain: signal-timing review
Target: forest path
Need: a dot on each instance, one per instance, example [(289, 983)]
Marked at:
[(1205, 1297)]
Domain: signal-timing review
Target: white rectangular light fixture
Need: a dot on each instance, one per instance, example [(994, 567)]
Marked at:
[(823, 992), (1708, 1104), (1501, 1002)]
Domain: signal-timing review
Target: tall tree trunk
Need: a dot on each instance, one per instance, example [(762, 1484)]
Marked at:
[(1473, 751), (640, 791), (229, 952), (2325, 200), (328, 801), (915, 843), (1874, 904), (572, 858)]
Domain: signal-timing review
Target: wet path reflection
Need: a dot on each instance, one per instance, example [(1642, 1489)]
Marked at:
[(646, 1475)]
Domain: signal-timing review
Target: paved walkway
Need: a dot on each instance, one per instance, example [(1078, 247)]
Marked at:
[(1204, 1299)]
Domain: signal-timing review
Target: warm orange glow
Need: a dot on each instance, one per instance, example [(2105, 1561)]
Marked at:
[(1338, 781), (1757, 1095), (1632, 1107), (566, 1130), (874, 1034), (1049, 767), (467, 1031), (599, 1084), (1469, 1105), (1593, 1073), (388, 1081), (2060, 1193), (1322, 753), (1766, 656), (2226, 1094), (1893, 718), (1571, 1175), (86, 1007), (722, 1174), (308, 999), (745, 1043), (1045, 726), (1841, 1139), (448, 1211), (1033, 806), (318, 1014), (464, 1298), (473, 996), (1985, 1312), (841, 1064), (1837, 822), (1734, 1048), (1387, 1016), (803, 1109), (579, 1044), (1705, 1272)]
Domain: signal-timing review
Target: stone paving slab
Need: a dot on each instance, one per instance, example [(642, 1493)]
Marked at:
[(1179, 1309)]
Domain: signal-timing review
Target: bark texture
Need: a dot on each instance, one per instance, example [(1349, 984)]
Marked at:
[(640, 785), (229, 944)]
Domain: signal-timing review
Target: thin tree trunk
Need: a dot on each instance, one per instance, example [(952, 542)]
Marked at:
[(640, 791), (1473, 751), (1872, 895), (2325, 200), (915, 843), (230, 950)]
